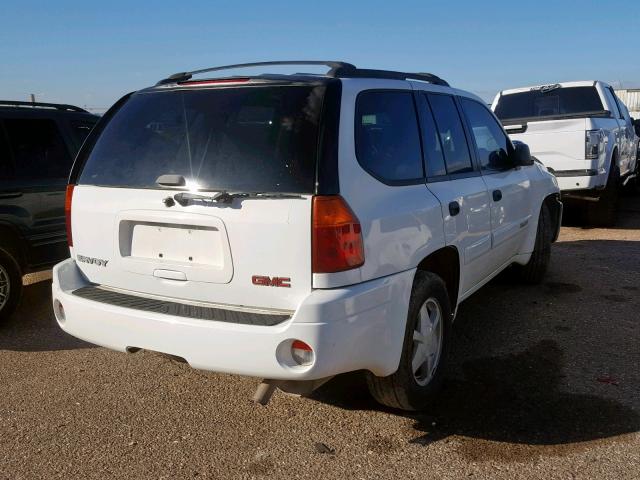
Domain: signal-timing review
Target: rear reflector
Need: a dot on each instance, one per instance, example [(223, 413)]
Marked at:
[(67, 213), (58, 310), (336, 237), (302, 353)]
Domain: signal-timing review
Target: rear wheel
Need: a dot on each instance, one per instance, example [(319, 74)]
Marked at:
[(535, 269), (10, 285), (604, 212), (425, 348)]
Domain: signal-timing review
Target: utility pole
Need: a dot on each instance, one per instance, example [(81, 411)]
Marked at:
[(33, 97)]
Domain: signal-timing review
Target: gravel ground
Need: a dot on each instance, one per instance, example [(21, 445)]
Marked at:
[(544, 384)]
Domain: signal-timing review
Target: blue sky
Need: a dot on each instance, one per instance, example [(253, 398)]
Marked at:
[(90, 53)]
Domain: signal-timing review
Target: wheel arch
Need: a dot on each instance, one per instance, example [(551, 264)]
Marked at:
[(615, 158), (445, 263)]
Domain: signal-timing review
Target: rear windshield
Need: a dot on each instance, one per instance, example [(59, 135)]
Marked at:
[(251, 139), (549, 102)]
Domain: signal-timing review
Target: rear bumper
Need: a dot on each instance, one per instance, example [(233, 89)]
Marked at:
[(587, 180), (352, 328), (575, 174)]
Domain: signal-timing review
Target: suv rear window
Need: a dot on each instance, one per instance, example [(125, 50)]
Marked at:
[(549, 102), (253, 139)]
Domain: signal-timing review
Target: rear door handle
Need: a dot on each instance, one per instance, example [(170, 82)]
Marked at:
[(497, 195), (10, 194), (454, 208)]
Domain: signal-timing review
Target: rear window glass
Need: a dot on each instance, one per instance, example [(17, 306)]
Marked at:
[(252, 139), (549, 102)]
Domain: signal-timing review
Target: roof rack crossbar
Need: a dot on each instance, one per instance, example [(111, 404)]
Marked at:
[(57, 106), (337, 70)]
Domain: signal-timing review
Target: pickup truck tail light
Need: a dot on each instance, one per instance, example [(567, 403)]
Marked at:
[(336, 236), (67, 213), (595, 140)]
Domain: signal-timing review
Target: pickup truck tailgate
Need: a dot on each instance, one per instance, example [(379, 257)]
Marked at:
[(558, 144)]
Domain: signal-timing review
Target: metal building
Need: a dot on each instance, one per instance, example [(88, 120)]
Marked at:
[(631, 98)]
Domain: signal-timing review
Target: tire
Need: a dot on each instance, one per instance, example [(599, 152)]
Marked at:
[(633, 186), (534, 271), (10, 285), (604, 212), (404, 389)]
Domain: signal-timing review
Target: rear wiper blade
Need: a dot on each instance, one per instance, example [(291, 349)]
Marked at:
[(224, 197)]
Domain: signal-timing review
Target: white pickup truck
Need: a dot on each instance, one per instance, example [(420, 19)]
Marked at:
[(582, 133)]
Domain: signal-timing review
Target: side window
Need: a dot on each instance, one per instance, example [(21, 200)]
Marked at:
[(433, 156), (38, 149), (6, 169), (492, 144), (451, 132), (386, 134)]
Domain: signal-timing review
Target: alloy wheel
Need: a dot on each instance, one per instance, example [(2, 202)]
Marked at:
[(5, 285), (427, 341)]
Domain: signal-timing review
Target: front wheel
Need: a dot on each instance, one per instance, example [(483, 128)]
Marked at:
[(425, 348), (10, 285)]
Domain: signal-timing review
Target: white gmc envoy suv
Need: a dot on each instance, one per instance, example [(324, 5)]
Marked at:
[(584, 135), (297, 226)]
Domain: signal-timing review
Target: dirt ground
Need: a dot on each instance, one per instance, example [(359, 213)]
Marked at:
[(545, 383)]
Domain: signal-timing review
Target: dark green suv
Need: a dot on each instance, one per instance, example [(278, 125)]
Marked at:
[(38, 142)]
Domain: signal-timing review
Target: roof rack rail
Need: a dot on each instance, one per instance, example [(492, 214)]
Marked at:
[(57, 106), (337, 70), (333, 65), (393, 75)]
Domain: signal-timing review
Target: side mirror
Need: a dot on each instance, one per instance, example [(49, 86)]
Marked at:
[(636, 125), (521, 154)]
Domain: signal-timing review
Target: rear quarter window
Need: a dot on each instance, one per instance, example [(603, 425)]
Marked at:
[(387, 136), (39, 150), (6, 165)]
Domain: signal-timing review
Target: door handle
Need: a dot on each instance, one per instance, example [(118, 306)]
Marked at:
[(10, 194), (497, 195), (454, 208)]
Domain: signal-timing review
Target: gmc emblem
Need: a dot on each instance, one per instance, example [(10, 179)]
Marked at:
[(264, 281)]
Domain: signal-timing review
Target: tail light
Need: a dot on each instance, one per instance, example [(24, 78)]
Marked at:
[(336, 236), (595, 140), (67, 213)]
